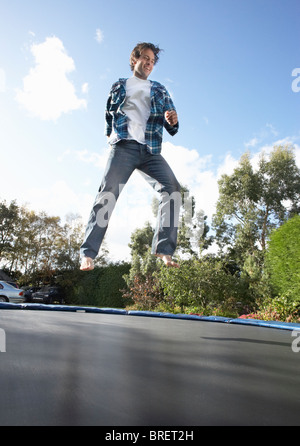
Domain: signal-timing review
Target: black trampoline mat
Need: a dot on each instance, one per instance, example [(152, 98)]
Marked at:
[(78, 369)]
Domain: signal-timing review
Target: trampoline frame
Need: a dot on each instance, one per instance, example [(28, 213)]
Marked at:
[(105, 364)]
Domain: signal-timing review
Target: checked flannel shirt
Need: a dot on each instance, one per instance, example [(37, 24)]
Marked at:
[(160, 103)]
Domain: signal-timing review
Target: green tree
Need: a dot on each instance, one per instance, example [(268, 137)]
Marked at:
[(9, 226), (37, 245), (253, 202), (70, 237), (193, 229), (283, 259), (143, 263)]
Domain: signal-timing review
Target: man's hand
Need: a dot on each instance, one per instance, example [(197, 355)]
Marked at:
[(171, 117)]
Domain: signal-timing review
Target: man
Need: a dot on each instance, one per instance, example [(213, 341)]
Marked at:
[(137, 110)]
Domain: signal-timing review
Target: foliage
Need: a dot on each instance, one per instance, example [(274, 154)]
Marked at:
[(203, 283), (253, 202), (9, 225), (145, 293), (280, 308), (143, 263), (100, 287), (34, 246), (283, 259)]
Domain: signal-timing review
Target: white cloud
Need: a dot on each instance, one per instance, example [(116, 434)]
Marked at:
[(47, 92), (64, 155), (265, 133), (58, 200), (228, 165), (196, 173), (297, 154), (2, 81), (94, 158), (85, 88), (252, 143), (272, 129), (186, 163), (99, 35)]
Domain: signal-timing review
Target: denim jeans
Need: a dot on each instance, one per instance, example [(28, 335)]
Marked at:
[(124, 158)]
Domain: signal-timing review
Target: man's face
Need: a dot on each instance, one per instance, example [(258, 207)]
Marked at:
[(144, 64)]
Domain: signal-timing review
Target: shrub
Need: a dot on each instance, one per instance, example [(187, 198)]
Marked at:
[(101, 287), (277, 309), (145, 293), (283, 259), (202, 283)]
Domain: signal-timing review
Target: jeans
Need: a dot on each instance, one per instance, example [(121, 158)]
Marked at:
[(124, 158)]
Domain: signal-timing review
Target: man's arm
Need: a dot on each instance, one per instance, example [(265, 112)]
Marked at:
[(171, 123)]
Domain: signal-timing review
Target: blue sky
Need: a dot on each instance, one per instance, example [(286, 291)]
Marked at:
[(228, 65)]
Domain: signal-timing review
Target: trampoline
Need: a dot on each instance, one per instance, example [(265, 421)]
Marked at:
[(69, 366)]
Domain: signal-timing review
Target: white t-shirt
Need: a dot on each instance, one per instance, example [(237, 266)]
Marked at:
[(137, 107)]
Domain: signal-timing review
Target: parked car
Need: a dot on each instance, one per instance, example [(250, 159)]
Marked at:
[(29, 292), (9, 293), (47, 294)]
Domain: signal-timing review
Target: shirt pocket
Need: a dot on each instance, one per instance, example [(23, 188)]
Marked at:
[(159, 102)]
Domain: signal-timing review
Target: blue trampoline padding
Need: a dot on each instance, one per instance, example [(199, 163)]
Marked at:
[(74, 309), (268, 324), (44, 307)]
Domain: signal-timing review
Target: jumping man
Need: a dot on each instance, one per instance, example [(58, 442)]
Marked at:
[(136, 112)]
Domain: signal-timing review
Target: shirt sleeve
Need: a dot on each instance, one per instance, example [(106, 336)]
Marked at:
[(169, 105), (108, 116)]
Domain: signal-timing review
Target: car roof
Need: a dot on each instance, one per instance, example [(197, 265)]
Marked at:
[(6, 283)]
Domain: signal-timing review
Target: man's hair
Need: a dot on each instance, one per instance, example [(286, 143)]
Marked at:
[(137, 51)]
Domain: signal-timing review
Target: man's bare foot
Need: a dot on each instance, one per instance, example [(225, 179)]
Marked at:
[(168, 260), (87, 264)]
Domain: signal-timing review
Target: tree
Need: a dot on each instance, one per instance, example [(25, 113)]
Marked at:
[(283, 259), (9, 223), (36, 244), (69, 241), (143, 263), (193, 229), (253, 202)]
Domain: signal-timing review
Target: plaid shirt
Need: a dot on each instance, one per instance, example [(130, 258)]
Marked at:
[(160, 103)]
